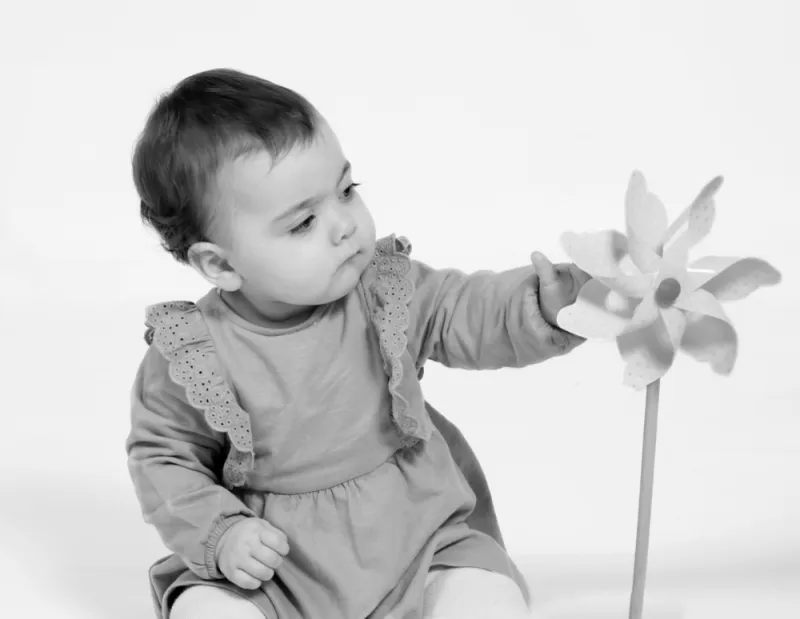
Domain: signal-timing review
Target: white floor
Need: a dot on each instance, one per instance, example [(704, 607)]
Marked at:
[(729, 587)]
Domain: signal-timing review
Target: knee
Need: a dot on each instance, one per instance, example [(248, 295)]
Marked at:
[(211, 602), (474, 593)]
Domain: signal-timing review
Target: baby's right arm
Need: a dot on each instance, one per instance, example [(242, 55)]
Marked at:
[(173, 456)]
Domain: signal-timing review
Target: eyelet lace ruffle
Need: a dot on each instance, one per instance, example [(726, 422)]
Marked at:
[(393, 290), (179, 332)]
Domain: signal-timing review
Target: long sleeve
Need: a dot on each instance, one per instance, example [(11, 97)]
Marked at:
[(481, 321), (174, 458)]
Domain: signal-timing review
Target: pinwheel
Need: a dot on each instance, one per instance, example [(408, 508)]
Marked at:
[(646, 294)]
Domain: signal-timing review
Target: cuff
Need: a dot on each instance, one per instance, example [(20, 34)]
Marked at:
[(557, 339), (211, 545)]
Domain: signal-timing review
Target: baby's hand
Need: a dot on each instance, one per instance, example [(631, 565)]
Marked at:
[(558, 285), (250, 551)]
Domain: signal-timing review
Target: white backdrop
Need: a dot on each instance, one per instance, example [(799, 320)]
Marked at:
[(481, 132)]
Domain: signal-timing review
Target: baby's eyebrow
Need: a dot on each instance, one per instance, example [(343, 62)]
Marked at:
[(309, 202)]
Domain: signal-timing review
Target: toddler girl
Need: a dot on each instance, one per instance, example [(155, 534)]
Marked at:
[(280, 442)]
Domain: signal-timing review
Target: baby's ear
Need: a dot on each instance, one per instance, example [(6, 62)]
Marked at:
[(209, 260)]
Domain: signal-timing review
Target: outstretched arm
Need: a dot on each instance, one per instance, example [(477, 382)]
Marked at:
[(484, 320)]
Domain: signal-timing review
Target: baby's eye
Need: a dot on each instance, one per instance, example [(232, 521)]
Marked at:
[(304, 226), (350, 191)]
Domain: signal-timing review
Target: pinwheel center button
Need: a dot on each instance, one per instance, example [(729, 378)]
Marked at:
[(667, 292)]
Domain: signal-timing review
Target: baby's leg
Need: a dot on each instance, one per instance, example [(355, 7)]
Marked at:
[(471, 593), (210, 602)]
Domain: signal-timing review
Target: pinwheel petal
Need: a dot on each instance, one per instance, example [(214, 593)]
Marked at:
[(698, 220), (646, 313), (714, 264), (646, 224), (598, 312), (737, 278), (633, 286), (648, 353), (709, 336), (704, 269), (675, 322), (702, 213), (702, 302), (597, 253), (710, 340)]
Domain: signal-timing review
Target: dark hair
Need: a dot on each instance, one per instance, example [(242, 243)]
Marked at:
[(207, 119)]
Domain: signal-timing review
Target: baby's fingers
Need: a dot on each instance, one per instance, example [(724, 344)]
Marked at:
[(257, 569), (273, 538), (579, 276), (267, 557), (544, 269), (242, 579)]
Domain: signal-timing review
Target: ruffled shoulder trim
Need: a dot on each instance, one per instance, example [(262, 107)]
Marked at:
[(178, 331), (392, 289)]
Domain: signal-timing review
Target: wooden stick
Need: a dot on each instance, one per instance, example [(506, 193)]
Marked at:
[(649, 440), (645, 499)]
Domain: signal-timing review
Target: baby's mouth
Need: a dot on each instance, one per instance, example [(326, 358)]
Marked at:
[(350, 259)]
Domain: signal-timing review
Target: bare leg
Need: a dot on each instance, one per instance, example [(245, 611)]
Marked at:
[(470, 593), (210, 602)]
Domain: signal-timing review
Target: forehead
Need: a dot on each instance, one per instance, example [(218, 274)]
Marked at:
[(259, 182)]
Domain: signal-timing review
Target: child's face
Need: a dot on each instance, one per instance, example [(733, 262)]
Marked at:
[(294, 235)]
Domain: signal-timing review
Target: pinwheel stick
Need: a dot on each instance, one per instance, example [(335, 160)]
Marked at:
[(649, 451), (668, 303), (645, 499)]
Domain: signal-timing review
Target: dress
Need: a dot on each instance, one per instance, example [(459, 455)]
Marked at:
[(321, 429)]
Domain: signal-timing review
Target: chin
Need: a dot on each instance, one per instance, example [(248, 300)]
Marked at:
[(344, 283), (342, 291)]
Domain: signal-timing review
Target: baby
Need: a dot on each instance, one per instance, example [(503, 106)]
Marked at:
[(280, 442)]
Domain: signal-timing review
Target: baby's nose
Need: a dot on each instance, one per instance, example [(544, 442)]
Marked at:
[(346, 227)]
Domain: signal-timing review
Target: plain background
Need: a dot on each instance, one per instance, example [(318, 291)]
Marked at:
[(481, 131)]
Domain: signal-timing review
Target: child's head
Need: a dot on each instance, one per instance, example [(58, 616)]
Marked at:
[(244, 180)]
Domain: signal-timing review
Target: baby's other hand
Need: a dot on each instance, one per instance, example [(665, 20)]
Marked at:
[(559, 285), (250, 551)]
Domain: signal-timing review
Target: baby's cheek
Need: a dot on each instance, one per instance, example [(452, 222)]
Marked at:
[(299, 281)]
